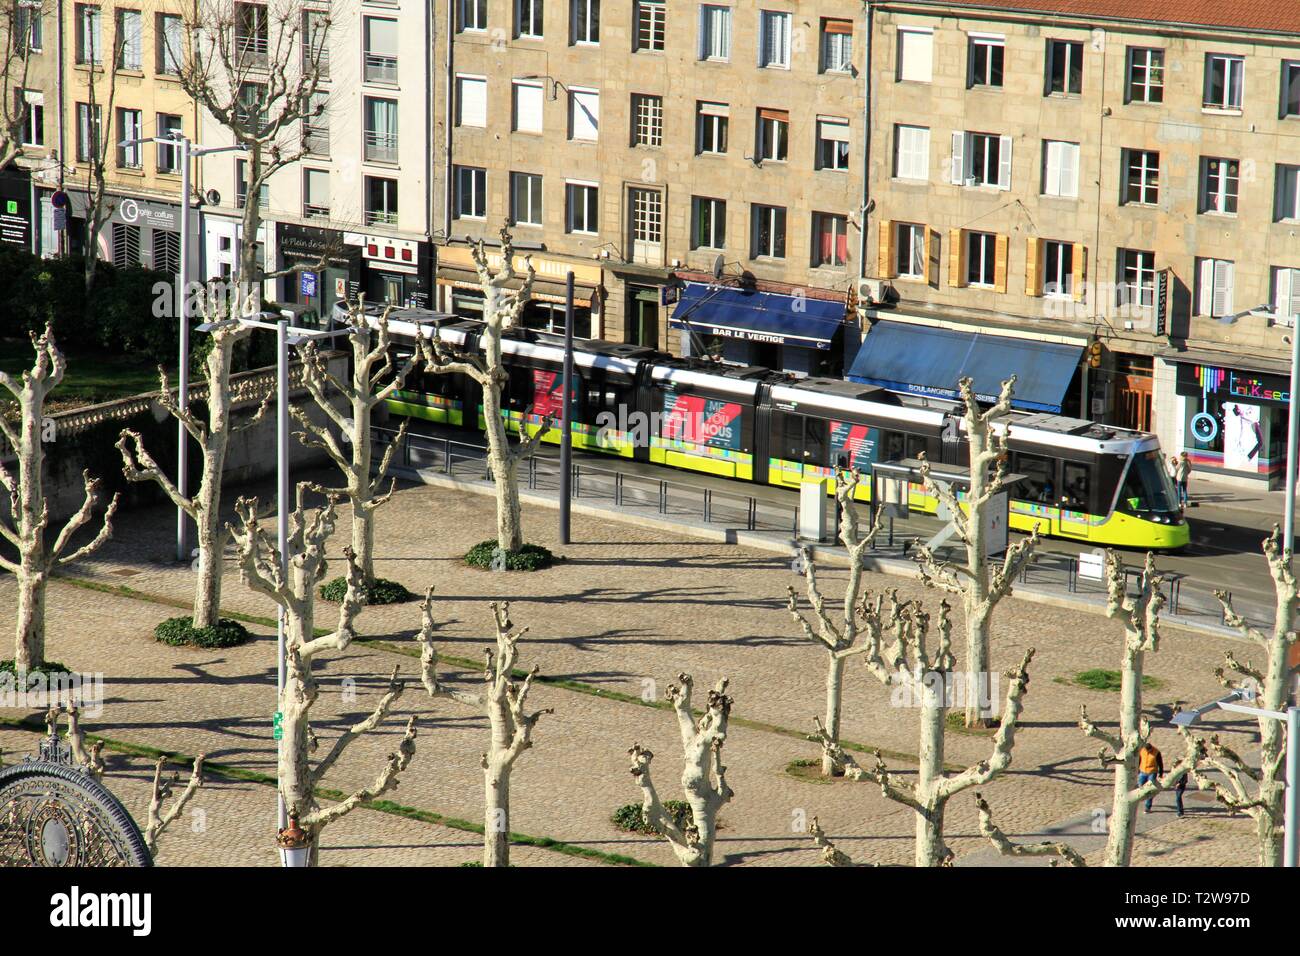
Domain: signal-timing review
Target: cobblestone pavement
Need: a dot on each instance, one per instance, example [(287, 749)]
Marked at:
[(625, 612)]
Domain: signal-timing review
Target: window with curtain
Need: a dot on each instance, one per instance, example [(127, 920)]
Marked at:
[(831, 235), (715, 32), (169, 43), (837, 46), (129, 36), (89, 50), (774, 39)]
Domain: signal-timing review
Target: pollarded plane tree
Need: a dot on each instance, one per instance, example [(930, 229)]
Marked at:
[(839, 637), (260, 71), (1258, 788), (924, 680), (374, 378), (704, 776), (979, 583), (213, 438), (502, 307), (29, 512), (294, 592), (1140, 616)]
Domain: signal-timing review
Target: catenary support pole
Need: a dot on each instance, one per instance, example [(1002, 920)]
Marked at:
[(1293, 432), (566, 424), (282, 504), (183, 373)]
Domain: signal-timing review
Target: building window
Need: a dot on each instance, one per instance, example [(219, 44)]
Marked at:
[(126, 245), (526, 199), (981, 159), (250, 111), (830, 240), (832, 143), (1284, 295), (711, 127), (773, 129), (768, 232), (241, 187), (315, 194), (912, 152), (316, 125), (774, 40), (251, 36), (584, 23), (1220, 179), (1138, 278), (381, 201), (28, 31), (1060, 169), (1058, 268), (987, 55), (647, 216), (1287, 200), (981, 259), (1146, 75), (471, 192), (584, 114), (582, 208), (650, 17), (89, 50), (32, 107), (473, 15), (526, 108), (471, 101), (1223, 81), (381, 130), (909, 250), (129, 41), (1141, 176), (168, 39), (915, 55), (1290, 88), (381, 51), (837, 46), (1214, 287), (1064, 67), (169, 157), (715, 32), (647, 120), (89, 132), (528, 19), (709, 219)]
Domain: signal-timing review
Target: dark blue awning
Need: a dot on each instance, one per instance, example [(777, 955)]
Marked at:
[(924, 360), (757, 316)]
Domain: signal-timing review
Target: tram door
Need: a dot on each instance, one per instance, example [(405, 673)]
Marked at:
[(1076, 499)]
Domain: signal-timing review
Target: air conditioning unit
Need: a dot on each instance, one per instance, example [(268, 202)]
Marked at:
[(872, 291)]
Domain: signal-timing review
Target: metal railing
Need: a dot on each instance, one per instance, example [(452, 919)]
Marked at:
[(380, 147), (381, 217), (380, 68), (251, 50), (315, 139)]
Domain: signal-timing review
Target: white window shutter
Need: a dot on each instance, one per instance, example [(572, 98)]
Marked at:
[(1205, 279), (1069, 169), (1223, 287), (1004, 162), (1052, 174), (473, 101), (1282, 285), (958, 171), (528, 107)]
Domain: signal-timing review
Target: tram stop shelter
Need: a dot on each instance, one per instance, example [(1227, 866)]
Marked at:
[(891, 483)]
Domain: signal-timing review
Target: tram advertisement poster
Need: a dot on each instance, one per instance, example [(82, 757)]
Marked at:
[(704, 421), (548, 388), (856, 443)]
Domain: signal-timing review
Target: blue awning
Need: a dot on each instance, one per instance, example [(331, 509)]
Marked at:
[(757, 316), (924, 360)]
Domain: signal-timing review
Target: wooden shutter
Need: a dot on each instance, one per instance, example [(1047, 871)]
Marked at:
[(886, 262), (956, 259), (1034, 267), (1079, 258), (1000, 264), (929, 251)]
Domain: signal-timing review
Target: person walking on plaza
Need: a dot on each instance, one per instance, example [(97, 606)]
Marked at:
[(1151, 766), (1182, 471), (1178, 792)]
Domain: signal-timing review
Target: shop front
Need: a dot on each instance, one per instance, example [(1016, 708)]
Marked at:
[(16, 209), (460, 293), (1234, 420), (139, 232), (397, 272), (329, 270)]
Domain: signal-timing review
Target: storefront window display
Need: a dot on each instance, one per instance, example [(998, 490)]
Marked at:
[(1234, 420)]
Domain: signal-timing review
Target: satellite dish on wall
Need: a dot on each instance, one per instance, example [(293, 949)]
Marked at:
[(212, 197), (718, 263)]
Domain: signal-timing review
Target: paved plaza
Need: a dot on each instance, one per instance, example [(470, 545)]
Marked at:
[(626, 610)]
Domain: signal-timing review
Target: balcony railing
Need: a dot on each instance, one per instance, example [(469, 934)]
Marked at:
[(322, 63), (310, 211), (251, 51), (381, 217), (380, 69), (316, 139), (381, 147)]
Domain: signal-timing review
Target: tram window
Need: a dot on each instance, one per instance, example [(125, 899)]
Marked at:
[(1077, 481), (1039, 482), (787, 436), (815, 442), (520, 388), (893, 446), (919, 443), (1147, 485)]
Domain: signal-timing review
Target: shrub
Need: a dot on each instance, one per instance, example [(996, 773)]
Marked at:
[(49, 669), (529, 557), (378, 591), (1101, 679), (180, 631), (630, 818)]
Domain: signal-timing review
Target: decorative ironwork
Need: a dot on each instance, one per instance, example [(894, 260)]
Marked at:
[(54, 813)]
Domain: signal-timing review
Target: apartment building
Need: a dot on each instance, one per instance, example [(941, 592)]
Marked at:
[(353, 213), (697, 166), (1101, 195), (30, 78)]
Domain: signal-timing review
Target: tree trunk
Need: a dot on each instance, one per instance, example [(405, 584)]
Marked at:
[(496, 815), (510, 534), (30, 646), (1123, 817), (834, 694), (979, 703), (1270, 818), (210, 536), (359, 481), (29, 650), (930, 848)]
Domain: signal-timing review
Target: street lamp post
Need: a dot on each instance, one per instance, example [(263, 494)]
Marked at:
[(186, 151), (1293, 434)]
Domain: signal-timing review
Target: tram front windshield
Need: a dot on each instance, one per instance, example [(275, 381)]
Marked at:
[(1147, 486)]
